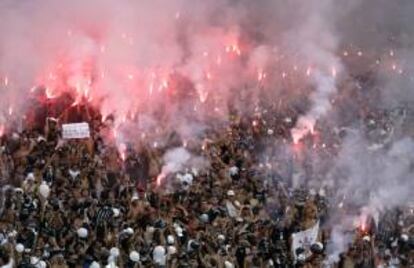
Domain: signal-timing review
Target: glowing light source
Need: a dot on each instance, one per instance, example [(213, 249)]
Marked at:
[(308, 71), (303, 127), (160, 178), (122, 151), (261, 75), (49, 93), (334, 72), (234, 48)]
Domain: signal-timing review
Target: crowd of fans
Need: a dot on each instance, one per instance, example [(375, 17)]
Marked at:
[(77, 203)]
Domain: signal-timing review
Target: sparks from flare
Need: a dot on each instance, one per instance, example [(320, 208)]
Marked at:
[(122, 151)]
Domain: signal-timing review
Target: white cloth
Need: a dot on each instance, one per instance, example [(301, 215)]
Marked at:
[(187, 178), (305, 239), (134, 256), (74, 173), (233, 170), (159, 255), (94, 264), (231, 209), (171, 250)]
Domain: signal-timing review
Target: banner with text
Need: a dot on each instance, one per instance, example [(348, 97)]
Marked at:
[(75, 131)]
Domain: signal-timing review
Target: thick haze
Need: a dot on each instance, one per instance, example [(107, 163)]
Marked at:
[(222, 50)]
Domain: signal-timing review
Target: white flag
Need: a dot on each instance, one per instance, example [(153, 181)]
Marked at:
[(305, 239)]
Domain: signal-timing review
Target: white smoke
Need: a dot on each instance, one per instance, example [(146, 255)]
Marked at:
[(180, 159), (385, 173), (127, 42), (340, 239), (318, 44)]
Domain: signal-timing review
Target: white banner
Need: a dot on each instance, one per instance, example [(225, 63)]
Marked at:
[(75, 131), (305, 239)]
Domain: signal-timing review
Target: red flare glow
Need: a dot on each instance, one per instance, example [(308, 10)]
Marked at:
[(334, 72), (49, 94), (122, 151), (361, 223), (298, 149), (87, 77), (261, 75), (363, 227), (304, 126), (159, 179), (69, 75)]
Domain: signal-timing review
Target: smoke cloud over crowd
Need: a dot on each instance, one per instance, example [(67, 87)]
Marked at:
[(184, 67)]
